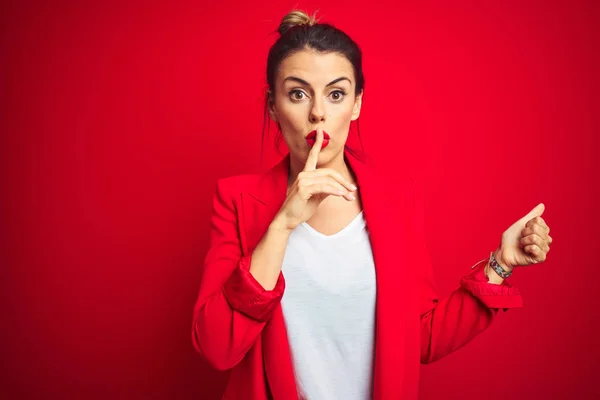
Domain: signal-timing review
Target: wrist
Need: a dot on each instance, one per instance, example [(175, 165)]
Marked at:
[(278, 226), (496, 264), (498, 256), (491, 275)]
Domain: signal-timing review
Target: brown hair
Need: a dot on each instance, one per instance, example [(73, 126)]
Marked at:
[(298, 31)]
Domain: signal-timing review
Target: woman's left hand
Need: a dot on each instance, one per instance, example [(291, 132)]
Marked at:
[(526, 242)]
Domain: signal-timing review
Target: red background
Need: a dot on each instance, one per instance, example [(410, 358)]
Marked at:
[(118, 118)]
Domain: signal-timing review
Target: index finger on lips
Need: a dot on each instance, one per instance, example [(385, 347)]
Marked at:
[(313, 155)]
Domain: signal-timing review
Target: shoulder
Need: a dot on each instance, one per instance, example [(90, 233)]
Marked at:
[(257, 182), (235, 184), (395, 181)]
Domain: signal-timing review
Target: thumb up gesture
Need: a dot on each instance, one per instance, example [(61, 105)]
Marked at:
[(526, 241)]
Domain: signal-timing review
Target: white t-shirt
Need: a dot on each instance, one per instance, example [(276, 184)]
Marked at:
[(329, 311)]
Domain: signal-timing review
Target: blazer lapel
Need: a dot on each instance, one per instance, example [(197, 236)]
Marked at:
[(387, 204), (261, 202), (260, 205), (389, 236), (387, 245)]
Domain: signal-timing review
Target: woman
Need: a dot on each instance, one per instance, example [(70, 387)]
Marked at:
[(360, 310)]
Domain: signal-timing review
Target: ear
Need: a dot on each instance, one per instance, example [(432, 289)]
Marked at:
[(357, 105), (271, 105)]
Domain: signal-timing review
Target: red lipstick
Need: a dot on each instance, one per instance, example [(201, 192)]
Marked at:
[(311, 138)]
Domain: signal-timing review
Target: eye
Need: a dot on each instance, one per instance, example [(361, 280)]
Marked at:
[(294, 94), (338, 95)]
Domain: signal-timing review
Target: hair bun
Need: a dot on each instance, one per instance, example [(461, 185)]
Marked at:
[(294, 18)]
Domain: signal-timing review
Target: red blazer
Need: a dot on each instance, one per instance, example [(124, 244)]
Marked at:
[(238, 326)]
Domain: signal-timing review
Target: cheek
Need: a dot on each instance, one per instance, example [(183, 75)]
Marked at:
[(291, 111), (341, 111), (347, 113), (291, 120), (349, 108), (343, 118)]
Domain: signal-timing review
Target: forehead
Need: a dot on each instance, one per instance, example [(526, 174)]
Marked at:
[(314, 67)]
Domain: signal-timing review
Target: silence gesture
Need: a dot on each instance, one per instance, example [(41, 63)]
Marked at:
[(311, 187)]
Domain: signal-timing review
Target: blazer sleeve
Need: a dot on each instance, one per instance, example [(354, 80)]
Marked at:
[(232, 307), (449, 323)]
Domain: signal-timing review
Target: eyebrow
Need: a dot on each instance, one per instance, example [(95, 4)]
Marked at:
[(302, 81)]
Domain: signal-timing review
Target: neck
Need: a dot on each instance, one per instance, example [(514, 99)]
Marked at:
[(338, 164)]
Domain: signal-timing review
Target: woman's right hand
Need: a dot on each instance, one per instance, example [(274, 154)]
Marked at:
[(310, 188)]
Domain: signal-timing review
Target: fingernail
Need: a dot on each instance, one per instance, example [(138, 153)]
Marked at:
[(352, 197), (353, 187)]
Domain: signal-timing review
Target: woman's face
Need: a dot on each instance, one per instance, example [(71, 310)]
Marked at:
[(315, 90)]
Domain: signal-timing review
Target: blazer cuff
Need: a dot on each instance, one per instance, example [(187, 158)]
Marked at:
[(494, 296), (246, 295)]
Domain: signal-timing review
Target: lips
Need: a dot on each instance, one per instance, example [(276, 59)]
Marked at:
[(311, 138)]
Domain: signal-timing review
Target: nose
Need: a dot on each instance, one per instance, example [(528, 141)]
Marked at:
[(317, 112)]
